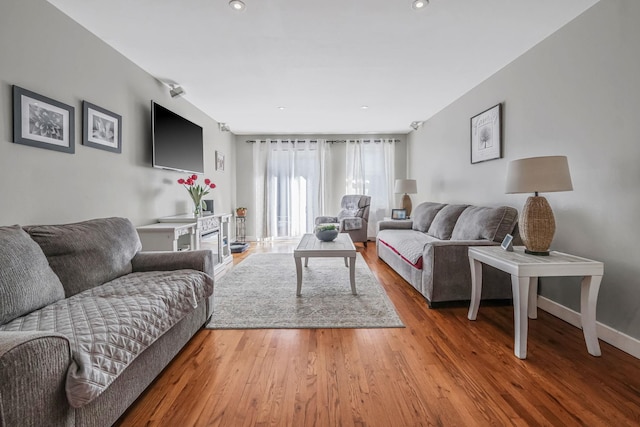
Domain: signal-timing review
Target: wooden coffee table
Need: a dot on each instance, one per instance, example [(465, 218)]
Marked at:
[(311, 247)]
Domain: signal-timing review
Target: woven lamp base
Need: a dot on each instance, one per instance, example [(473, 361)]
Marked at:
[(537, 225), (406, 204)]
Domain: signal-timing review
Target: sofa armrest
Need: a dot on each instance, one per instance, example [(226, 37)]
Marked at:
[(201, 260), (395, 225), (447, 273), (33, 372)]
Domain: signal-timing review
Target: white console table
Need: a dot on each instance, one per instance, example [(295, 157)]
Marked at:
[(165, 236), (525, 270), (206, 232)]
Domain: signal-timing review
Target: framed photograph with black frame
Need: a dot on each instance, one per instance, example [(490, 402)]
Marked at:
[(101, 128), (42, 122), (486, 135), (398, 214)]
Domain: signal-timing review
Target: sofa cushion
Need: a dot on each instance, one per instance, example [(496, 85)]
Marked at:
[(27, 283), (89, 253), (424, 214), (445, 220), (485, 223)]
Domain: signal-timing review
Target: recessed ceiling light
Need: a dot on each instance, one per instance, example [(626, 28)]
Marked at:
[(419, 4), (364, 107), (237, 5), (281, 108)]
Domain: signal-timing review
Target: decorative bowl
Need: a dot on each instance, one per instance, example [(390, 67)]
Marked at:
[(327, 233)]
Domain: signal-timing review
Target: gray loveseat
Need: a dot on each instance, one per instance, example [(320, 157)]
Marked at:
[(87, 321), (430, 250)]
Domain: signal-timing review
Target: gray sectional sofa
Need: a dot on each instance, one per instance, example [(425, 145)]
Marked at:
[(87, 321), (430, 250)]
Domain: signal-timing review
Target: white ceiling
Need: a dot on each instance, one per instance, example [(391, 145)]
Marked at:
[(322, 59)]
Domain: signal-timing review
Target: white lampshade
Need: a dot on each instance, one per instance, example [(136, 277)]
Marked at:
[(538, 174), (405, 186)]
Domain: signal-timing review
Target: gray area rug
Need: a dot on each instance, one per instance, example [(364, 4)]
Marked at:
[(260, 292)]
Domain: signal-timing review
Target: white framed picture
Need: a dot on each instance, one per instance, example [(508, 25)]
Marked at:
[(486, 135), (219, 161), (42, 122), (101, 128)]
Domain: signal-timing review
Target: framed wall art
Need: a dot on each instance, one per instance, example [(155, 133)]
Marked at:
[(486, 135), (398, 214), (101, 128), (219, 161), (42, 122)]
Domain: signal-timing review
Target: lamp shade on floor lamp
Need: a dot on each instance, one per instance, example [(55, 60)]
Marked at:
[(533, 175), (406, 186)]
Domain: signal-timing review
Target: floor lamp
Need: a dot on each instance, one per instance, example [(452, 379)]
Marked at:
[(532, 175), (406, 186)]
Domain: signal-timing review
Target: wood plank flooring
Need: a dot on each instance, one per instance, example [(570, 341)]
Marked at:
[(441, 370)]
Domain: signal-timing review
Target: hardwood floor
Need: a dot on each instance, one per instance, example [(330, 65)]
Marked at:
[(440, 370)]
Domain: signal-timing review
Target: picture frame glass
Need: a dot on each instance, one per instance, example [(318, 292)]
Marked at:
[(486, 135), (103, 129), (398, 214), (507, 243), (219, 161), (42, 122)]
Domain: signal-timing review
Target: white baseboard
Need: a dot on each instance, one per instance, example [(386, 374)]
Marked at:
[(606, 333)]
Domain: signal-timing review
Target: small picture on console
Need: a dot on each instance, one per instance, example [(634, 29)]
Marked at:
[(398, 214)]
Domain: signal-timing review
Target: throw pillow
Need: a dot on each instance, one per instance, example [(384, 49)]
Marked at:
[(424, 214), (485, 223), (445, 220), (89, 253), (27, 283)]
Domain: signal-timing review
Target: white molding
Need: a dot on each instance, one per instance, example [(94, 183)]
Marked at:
[(606, 333)]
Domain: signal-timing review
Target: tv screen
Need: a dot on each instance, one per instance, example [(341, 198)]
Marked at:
[(177, 142)]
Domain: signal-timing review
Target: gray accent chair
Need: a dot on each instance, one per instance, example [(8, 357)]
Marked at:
[(353, 217)]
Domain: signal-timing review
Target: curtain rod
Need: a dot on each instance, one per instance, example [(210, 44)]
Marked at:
[(313, 141)]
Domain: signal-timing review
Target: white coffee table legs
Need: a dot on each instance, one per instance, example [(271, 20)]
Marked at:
[(348, 262), (352, 274), (299, 273)]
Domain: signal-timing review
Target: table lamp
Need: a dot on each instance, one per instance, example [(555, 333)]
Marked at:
[(406, 186), (533, 175)]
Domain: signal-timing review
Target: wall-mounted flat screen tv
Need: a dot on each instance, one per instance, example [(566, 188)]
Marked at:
[(177, 142)]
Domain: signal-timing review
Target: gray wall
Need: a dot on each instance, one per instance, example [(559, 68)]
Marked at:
[(244, 175), (577, 94), (43, 50)]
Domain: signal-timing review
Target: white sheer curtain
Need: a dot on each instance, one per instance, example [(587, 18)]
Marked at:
[(289, 180), (370, 172)]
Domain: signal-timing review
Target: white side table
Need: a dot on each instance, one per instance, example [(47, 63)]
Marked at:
[(525, 270)]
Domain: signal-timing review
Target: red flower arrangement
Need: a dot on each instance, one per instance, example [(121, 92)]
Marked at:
[(197, 191)]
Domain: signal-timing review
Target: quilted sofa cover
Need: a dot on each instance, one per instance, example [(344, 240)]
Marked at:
[(430, 250), (87, 321), (110, 325)]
